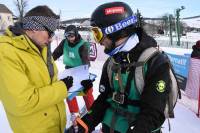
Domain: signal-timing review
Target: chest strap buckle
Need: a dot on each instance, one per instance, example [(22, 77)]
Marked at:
[(118, 97)]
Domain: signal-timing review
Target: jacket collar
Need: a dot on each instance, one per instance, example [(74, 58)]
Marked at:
[(145, 41), (21, 41)]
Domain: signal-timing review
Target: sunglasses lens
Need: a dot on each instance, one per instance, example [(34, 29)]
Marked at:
[(51, 34), (70, 36), (97, 33)]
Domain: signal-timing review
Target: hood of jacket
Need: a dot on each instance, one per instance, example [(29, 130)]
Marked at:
[(195, 52), (145, 41), (15, 36)]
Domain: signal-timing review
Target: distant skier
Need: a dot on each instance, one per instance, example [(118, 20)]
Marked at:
[(75, 52), (192, 88), (121, 107)]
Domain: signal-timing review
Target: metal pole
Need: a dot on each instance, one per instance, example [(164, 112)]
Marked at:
[(139, 18), (170, 29), (178, 25)]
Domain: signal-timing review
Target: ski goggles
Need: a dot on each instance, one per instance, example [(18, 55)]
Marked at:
[(99, 33), (67, 35)]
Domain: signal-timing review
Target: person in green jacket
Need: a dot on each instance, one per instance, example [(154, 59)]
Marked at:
[(32, 95), (75, 53)]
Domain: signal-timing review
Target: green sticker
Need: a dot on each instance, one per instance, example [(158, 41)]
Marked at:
[(160, 86)]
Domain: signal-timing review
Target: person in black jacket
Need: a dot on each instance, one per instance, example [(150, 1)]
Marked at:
[(120, 107), (196, 50), (193, 82)]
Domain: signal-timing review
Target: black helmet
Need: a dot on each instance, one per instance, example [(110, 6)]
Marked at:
[(71, 30), (110, 14)]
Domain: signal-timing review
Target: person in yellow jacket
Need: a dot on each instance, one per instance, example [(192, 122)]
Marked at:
[(32, 96)]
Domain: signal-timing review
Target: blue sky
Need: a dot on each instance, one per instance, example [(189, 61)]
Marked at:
[(83, 8)]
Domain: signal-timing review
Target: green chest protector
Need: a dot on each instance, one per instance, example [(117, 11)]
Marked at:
[(136, 85), (71, 55)]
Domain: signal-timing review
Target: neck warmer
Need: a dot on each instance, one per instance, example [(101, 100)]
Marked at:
[(129, 44)]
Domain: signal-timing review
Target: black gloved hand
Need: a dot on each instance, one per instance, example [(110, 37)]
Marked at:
[(87, 84), (68, 81)]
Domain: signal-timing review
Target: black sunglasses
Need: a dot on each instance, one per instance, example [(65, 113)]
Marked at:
[(50, 33), (70, 36)]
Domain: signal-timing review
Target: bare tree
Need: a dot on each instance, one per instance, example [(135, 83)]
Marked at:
[(21, 6)]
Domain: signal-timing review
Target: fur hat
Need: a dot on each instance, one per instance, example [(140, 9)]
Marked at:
[(42, 11)]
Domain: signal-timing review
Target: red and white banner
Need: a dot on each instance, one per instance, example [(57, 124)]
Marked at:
[(193, 81)]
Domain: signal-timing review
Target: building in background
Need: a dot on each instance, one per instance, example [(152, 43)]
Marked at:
[(6, 17)]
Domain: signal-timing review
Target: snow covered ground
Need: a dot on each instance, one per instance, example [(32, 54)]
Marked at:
[(185, 120)]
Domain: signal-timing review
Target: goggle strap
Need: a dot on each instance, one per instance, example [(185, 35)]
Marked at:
[(120, 25)]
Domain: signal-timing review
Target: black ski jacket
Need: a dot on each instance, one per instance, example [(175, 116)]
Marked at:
[(152, 102), (196, 52)]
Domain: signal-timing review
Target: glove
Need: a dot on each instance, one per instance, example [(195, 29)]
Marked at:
[(87, 84), (68, 81)]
